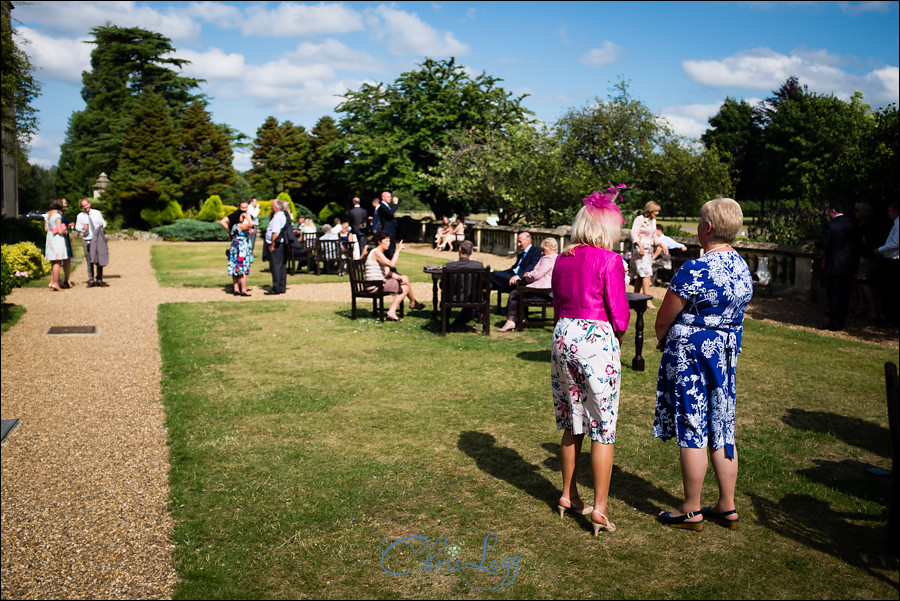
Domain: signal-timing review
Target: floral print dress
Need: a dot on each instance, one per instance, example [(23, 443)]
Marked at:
[(695, 395), (241, 254)]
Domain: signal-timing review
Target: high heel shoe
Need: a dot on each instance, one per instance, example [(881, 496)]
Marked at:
[(604, 525), (583, 510)]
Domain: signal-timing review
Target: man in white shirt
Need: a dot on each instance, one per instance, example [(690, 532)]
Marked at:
[(88, 222), (277, 264), (253, 211)]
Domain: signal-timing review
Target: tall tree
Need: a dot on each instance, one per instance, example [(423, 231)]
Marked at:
[(18, 90), (737, 136), (146, 188), (327, 158), (517, 172), (125, 63), (395, 131), (206, 155), (280, 159)]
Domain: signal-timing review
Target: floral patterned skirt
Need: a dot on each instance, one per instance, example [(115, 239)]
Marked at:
[(585, 372)]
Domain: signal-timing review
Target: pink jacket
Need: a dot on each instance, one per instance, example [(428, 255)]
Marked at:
[(540, 276), (643, 231), (590, 284)]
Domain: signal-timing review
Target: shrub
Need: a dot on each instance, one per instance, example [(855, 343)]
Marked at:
[(6, 279), (674, 231), (20, 229), (212, 209), (192, 230), (330, 211), (157, 217), (284, 196), (27, 257), (787, 225)]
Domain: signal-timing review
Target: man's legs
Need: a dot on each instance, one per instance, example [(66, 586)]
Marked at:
[(90, 266), (279, 269)]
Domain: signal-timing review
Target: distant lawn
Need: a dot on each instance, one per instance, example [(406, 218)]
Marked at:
[(204, 265), (296, 452)]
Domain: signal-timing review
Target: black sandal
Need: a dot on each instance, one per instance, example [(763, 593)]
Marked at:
[(721, 518), (681, 521)]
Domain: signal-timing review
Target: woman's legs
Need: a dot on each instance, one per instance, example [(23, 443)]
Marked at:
[(236, 284), (693, 471), (726, 476), (398, 298), (569, 452), (243, 280), (645, 289), (67, 269), (54, 275), (601, 466), (404, 281)]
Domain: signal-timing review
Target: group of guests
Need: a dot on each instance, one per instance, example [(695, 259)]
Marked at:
[(450, 233), (698, 329), (856, 252), (58, 244)]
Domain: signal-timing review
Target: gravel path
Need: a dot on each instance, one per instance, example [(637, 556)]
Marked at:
[(84, 476)]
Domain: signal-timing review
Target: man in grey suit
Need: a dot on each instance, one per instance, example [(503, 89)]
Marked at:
[(276, 248)]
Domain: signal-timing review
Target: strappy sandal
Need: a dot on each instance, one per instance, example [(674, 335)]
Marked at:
[(681, 521), (583, 510), (721, 518), (604, 525)]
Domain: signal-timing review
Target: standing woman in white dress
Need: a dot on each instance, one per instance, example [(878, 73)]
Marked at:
[(55, 247), (644, 238)]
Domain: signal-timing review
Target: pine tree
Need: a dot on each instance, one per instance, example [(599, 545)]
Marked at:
[(146, 188), (206, 156)]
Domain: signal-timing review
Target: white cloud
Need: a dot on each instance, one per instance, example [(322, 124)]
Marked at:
[(603, 56), (764, 69), (689, 120), (223, 15), (213, 64), (855, 8), (289, 19), (60, 59), (407, 34), (75, 18)]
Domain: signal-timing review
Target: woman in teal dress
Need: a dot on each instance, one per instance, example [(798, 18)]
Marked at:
[(55, 247), (241, 254)]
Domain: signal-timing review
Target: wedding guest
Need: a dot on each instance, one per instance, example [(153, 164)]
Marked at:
[(55, 245), (539, 277), (379, 267), (240, 255), (643, 239)]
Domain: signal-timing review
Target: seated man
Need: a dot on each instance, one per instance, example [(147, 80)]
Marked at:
[(464, 261), (505, 281)]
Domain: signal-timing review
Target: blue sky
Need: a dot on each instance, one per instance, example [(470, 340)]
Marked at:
[(293, 60)]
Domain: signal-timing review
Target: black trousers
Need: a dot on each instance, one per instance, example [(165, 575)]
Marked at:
[(500, 280), (278, 267), (838, 286)]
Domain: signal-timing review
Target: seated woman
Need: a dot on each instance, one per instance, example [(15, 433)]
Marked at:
[(378, 267), (457, 234), (308, 227), (446, 228), (540, 277)]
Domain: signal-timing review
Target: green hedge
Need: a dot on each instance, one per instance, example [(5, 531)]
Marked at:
[(20, 229), (192, 230)]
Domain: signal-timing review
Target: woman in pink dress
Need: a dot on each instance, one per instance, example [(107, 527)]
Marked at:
[(589, 298), (644, 239)]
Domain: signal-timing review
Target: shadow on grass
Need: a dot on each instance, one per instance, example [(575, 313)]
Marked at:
[(811, 522), (542, 356), (850, 477), (508, 465), (852, 430)]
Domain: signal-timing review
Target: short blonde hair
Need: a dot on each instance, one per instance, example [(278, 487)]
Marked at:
[(550, 244), (649, 208), (725, 217), (593, 232)]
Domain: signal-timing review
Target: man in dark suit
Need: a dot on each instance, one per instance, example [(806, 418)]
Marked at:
[(387, 222), (841, 244), (464, 261), (505, 281), (358, 218)]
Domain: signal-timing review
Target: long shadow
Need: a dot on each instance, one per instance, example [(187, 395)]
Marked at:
[(854, 431), (508, 465), (624, 486), (851, 478), (812, 522)]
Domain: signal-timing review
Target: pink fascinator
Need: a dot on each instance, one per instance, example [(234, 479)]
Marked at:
[(602, 205)]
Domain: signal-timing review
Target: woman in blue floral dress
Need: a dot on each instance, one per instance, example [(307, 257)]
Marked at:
[(241, 254), (699, 329)]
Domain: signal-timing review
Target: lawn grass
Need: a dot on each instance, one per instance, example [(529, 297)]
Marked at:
[(296, 452), (10, 315), (204, 265)]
